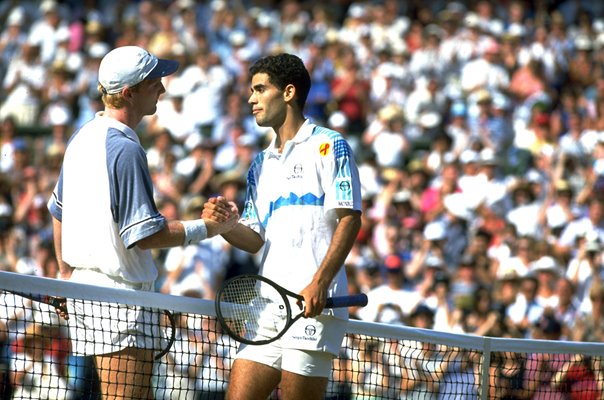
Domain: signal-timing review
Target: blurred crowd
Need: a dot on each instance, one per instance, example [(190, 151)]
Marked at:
[(478, 128)]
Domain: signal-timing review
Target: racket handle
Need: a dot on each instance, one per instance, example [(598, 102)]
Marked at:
[(347, 301)]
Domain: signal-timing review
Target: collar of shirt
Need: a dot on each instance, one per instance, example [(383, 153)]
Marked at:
[(303, 133), (114, 123)]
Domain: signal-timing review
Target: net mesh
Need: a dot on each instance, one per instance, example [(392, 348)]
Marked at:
[(41, 359)]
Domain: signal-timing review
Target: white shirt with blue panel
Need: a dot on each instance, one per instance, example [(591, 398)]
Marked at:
[(104, 199), (291, 201)]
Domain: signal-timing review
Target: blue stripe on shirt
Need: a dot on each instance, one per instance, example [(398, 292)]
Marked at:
[(308, 199)]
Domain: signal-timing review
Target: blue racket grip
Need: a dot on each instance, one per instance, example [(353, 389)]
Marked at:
[(347, 301)]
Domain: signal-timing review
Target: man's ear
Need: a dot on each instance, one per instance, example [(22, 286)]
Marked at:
[(289, 93), (127, 93)]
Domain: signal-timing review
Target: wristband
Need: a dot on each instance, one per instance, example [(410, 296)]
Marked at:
[(195, 231)]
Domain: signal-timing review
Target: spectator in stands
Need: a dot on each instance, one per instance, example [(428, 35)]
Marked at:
[(47, 31), (440, 299), (580, 378), (206, 80), (350, 91), (85, 84), (12, 38), (496, 196), (489, 128), (544, 372), (35, 374), (392, 301), (464, 282), (590, 326), (567, 309), (485, 71), (8, 144), (526, 310), (547, 271), (558, 210), (430, 248), (23, 85), (386, 138), (373, 379), (581, 68), (58, 97), (506, 376), (458, 379), (443, 184), (525, 209), (422, 365), (470, 180), (178, 375), (457, 127), (592, 221), (571, 138), (482, 318)]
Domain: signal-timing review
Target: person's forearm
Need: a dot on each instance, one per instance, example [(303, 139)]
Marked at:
[(65, 269), (183, 233), (172, 235), (244, 238), (343, 238)]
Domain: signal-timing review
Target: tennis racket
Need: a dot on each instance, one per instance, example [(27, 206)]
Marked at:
[(168, 323), (254, 310), (55, 302), (169, 333)]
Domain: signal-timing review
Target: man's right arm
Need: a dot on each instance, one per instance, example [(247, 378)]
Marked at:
[(244, 238), (182, 233), (240, 236)]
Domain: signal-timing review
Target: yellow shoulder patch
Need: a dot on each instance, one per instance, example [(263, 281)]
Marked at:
[(324, 149)]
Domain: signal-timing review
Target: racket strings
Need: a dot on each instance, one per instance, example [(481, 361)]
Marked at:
[(253, 310)]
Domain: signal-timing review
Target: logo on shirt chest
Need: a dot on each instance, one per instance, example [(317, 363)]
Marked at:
[(297, 172)]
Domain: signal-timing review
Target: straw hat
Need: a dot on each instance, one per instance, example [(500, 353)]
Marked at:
[(391, 112)]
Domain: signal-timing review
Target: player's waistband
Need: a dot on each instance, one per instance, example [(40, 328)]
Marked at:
[(94, 276)]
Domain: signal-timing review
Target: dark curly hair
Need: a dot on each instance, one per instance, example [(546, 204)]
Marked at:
[(284, 69)]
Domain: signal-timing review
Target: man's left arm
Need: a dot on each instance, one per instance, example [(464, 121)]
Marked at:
[(65, 269), (315, 294)]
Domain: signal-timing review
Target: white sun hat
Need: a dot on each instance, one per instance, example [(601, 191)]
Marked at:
[(129, 65)]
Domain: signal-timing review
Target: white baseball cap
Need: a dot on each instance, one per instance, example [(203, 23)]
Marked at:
[(129, 65), (434, 231)]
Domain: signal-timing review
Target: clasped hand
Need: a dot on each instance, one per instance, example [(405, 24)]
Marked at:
[(219, 215)]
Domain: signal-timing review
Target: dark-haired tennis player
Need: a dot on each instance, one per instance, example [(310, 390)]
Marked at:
[(303, 208), (105, 222)]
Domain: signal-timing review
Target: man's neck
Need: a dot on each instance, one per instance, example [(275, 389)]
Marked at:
[(288, 130), (123, 115)]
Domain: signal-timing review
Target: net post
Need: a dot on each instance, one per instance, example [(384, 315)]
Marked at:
[(484, 373)]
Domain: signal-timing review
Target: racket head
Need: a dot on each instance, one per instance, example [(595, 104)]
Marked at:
[(253, 309)]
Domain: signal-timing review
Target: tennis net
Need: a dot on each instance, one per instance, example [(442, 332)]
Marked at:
[(39, 359)]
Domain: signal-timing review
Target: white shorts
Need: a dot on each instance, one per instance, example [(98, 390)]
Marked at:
[(307, 348), (102, 327)]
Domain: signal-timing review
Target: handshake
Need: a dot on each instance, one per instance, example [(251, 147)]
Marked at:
[(219, 215)]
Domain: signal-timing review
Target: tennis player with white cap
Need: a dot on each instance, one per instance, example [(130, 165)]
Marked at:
[(105, 222)]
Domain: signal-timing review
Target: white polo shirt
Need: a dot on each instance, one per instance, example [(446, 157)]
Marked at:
[(291, 200), (104, 199)]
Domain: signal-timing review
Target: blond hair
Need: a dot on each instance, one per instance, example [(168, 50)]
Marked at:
[(115, 100)]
